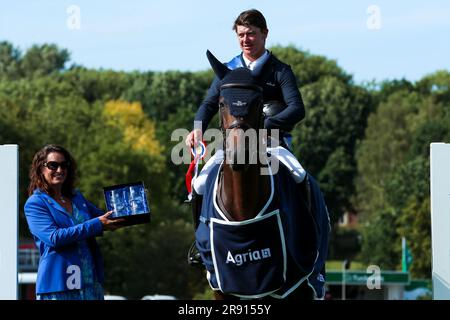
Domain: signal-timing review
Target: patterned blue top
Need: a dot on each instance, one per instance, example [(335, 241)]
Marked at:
[(93, 289)]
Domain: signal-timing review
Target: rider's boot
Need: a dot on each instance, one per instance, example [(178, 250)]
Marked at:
[(196, 205), (194, 258), (305, 192)]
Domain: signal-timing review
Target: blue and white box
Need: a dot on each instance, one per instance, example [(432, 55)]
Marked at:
[(129, 202)]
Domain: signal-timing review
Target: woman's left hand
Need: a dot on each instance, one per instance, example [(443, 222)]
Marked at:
[(110, 225)]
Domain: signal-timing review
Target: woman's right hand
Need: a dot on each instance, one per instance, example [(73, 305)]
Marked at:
[(108, 224)]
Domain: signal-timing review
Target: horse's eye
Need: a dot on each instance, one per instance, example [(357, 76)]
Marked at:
[(221, 105)]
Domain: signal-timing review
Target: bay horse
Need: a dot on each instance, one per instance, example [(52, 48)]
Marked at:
[(257, 235)]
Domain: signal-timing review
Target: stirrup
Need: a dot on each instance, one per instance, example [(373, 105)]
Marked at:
[(194, 259)]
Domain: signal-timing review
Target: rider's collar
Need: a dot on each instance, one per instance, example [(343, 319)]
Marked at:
[(256, 65)]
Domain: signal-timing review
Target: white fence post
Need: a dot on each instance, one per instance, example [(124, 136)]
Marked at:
[(9, 186), (440, 219)]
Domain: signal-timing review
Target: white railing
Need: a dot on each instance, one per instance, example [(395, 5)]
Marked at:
[(27, 277)]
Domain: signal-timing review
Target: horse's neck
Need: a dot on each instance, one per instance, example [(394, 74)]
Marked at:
[(244, 193)]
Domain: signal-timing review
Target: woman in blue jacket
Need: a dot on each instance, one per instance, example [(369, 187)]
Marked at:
[(64, 226)]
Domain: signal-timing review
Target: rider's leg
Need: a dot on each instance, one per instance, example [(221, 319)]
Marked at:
[(295, 168), (194, 258), (196, 206), (289, 161), (287, 141)]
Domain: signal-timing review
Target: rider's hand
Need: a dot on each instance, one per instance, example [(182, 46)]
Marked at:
[(108, 224), (193, 138)]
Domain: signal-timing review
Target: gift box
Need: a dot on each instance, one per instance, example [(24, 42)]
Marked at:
[(128, 202)]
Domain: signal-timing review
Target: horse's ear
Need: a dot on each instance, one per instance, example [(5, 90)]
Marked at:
[(219, 68)]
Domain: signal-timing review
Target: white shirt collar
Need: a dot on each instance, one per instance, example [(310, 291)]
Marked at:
[(255, 66)]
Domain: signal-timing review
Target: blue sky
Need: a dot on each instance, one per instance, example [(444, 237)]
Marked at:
[(412, 41)]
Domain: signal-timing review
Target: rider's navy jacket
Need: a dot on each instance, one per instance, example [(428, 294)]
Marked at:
[(56, 237), (278, 82)]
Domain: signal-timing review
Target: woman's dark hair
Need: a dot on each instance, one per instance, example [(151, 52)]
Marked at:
[(37, 179), (251, 18)]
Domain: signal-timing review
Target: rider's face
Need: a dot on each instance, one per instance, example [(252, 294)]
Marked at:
[(252, 41)]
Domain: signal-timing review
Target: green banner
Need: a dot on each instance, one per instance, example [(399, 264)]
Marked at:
[(361, 277)]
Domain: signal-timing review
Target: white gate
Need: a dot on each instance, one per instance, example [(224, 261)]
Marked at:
[(440, 219), (9, 185)]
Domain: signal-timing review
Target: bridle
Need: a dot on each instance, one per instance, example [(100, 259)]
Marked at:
[(239, 122)]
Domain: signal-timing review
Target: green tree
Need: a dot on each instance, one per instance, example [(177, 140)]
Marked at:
[(409, 194), (174, 89), (388, 87), (415, 225), (14, 130), (98, 85), (9, 61), (393, 163), (380, 245), (386, 145), (43, 59), (325, 142), (437, 85), (309, 68)]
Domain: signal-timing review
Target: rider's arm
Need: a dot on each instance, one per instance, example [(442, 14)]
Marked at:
[(295, 110), (209, 106)]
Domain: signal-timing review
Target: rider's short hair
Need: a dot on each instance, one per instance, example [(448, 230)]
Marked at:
[(251, 18)]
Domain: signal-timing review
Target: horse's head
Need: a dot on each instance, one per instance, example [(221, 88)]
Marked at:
[(241, 114)]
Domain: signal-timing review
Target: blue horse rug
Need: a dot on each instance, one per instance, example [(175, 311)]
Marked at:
[(272, 253)]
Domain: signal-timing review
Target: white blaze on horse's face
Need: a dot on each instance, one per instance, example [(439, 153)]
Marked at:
[(252, 41)]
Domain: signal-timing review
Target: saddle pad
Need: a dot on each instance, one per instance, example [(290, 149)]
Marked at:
[(249, 256)]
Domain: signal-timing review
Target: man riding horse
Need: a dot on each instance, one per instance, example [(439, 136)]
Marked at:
[(280, 91), (277, 239), (255, 236)]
